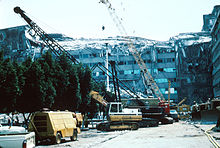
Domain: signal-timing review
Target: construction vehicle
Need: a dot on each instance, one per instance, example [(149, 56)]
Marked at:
[(151, 108), (54, 125), (184, 112), (206, 112), (120, 118)]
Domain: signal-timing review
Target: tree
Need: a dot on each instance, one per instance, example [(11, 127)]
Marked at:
[(85, 88), (73, 97), (8, 86), (48, 67), (34, 91), (61, 81)]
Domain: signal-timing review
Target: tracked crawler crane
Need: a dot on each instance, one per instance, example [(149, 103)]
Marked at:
[(148, 78), (151, 84)]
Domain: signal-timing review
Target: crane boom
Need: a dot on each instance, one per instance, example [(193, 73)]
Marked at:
[(133, 50), (49, 41)]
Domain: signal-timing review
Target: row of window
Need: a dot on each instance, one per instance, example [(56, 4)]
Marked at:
[(87, 55), (164, 60), (101, 54), (127, 72), (145, 61), (165, 90)]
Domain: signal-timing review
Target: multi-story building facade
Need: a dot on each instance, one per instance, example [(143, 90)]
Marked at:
[(158, 56), (193, 60), (215, 52), (15, 44)]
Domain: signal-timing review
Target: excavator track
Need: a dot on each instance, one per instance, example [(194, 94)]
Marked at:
[(112, 126)]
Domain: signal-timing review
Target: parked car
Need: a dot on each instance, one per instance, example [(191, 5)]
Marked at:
[(174, 115), (16, 136)]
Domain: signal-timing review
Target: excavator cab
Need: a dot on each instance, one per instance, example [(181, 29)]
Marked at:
[(115, 107)]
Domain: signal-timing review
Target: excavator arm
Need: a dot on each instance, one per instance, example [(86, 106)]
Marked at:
[(181, 102), (96, 96)]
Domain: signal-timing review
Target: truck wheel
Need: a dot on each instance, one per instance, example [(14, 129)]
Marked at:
[(74, 137), (58, 138)]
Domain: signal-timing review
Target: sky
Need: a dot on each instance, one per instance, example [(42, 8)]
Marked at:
[(151, 19)]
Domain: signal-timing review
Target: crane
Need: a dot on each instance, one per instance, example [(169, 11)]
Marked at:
[(133, 50), (49, 41)]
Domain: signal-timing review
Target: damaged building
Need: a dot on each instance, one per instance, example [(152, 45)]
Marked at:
[(215, 51), (193, 61), (158, 56), (189, 61), (15, 44)]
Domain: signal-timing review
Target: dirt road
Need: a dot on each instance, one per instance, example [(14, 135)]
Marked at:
[(177, 135)]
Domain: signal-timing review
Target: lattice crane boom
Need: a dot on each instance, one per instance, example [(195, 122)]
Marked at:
[(49, 41), (133, 50)]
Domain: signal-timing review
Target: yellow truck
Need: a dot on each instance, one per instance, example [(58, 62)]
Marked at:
[(54, 125)]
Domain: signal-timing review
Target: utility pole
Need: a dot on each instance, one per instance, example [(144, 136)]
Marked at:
[(107, 74), (169, 84)]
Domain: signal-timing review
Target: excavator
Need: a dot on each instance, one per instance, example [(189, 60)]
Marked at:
[(119, 118)]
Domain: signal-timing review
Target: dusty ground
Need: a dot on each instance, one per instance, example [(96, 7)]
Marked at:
[(177, 135)]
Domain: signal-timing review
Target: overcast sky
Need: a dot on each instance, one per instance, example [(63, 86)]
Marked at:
[(152, 19)]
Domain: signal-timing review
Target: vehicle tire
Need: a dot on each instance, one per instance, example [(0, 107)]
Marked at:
[(134, 126), (58, 138), (74, 136)]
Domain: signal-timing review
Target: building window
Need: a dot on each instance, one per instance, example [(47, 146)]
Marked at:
[(148, 61), (169, 60), (85, 56), (170, 69), (121, 72), (128, 71), (130, 62), (76, 56), (136, 71), (155, 71), (148, 52), (162, 90), (159, 61), (121, 63), (161, 80), (160, 70)]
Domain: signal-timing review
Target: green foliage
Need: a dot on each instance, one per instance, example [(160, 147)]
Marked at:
[(34, 91), (49, 68), (46, 83), (85, 88), (8, 86)]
